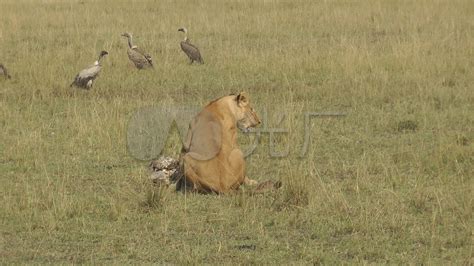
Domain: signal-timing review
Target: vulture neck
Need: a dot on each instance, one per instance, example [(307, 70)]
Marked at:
[(185, 36), (130, 44), (98, 60)]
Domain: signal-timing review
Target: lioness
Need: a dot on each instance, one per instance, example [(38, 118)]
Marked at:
[(210, 158)]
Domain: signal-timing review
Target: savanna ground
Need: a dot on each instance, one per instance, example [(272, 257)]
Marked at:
[(391, 182)]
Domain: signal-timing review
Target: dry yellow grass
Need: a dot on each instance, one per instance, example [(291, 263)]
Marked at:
[(391, 182)]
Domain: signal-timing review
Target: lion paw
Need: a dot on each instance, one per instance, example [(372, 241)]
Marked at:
[(250, 182)]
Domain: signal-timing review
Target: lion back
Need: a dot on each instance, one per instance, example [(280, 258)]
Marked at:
[(204, 138)]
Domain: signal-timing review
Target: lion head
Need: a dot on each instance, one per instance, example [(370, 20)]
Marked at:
[(245, 114)]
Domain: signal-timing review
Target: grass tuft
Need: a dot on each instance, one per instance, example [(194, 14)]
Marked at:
[(407, 125)]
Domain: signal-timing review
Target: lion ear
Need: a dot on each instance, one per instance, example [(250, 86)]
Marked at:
[(242, 99)]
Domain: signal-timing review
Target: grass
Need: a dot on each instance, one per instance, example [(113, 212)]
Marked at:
[(391, 182)]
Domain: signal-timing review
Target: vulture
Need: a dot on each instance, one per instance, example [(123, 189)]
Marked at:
[(189, 49), (4, 72), (138, 57), (86, 77)]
